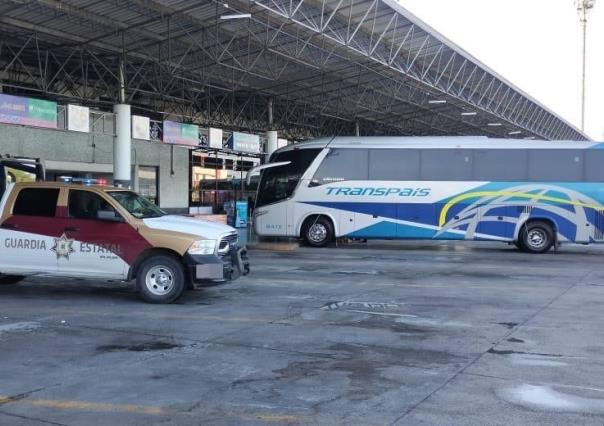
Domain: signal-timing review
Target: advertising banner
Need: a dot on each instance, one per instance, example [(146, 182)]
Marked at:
[(28, 111), (141, 127), (215, 138), (181, 133), (244, 142), (78, 118)]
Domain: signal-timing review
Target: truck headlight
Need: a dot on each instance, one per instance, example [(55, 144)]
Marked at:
[(203, 247)]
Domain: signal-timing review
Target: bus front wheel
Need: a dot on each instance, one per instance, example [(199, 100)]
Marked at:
[(318, 231), (536, 237)]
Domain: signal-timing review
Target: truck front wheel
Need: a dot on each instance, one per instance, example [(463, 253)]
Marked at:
[(10, 279), (160, 279)]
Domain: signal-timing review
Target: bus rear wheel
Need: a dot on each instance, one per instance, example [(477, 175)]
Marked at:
[(318, 231), (536, 237)]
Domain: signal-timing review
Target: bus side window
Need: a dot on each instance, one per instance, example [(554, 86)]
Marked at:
[(503, 165), (555, 165), (394, 164), (446, 165), (594, 165), (343, 164)]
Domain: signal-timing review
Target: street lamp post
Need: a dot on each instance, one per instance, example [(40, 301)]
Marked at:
[(583, 8)]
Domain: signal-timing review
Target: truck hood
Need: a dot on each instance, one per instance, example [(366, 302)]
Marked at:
[(203, 228)]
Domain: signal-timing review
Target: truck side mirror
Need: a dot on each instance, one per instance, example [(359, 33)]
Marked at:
[(109, 216)]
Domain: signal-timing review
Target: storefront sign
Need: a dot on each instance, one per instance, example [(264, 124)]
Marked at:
[(28, 111), (140, 127), (244, 142), (181, 133), (78, 118)]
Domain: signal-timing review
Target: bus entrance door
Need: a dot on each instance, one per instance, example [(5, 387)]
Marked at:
[(272, 221)]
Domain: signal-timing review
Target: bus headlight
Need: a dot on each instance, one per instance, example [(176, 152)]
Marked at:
[(204, 247)]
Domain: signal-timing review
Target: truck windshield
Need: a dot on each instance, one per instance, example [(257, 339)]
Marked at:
[(136, 205), (279, 183)]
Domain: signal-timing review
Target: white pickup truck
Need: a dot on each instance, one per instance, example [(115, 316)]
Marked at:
[(70, 230)]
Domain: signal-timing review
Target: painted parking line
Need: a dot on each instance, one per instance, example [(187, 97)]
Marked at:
[(73, 405), (83, 405)]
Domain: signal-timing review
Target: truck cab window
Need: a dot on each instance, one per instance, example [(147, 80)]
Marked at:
[(86, 204), (36, 202)]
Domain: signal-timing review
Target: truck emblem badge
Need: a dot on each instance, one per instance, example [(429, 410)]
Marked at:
[(63, 247)]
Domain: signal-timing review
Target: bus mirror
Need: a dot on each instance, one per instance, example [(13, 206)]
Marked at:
[(256, 170)]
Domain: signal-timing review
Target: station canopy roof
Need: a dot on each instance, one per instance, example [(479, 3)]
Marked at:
[(323, 65)]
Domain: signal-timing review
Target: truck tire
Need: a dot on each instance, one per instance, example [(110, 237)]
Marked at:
[(160, 279), (10, 279), (318, 231), (537, 237)]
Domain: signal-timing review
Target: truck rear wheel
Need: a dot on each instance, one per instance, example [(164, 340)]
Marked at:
[(160, 279), (10, 279)]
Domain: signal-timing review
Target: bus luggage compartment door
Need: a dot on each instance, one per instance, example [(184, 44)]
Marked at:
[(377, 222)]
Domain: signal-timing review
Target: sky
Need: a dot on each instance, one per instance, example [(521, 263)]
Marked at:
[(534, 44)]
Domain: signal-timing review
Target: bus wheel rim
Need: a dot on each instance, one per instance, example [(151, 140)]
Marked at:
[(317, 232), (536, 238), (159, 280)]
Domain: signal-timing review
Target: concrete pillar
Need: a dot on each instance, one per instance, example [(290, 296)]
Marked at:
[(357, 129), (122, 145), (272, 142)]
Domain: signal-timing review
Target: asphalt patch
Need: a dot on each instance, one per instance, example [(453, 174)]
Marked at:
[(139, 347), (508, 352)]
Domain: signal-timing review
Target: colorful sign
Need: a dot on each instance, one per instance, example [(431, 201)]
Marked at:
[(181, 133), (141, 127), (78, 118), (241, 207), (244, 142), (28, 111)]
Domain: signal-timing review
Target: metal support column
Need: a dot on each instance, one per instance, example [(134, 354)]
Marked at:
[(122, 143), (271, 135)]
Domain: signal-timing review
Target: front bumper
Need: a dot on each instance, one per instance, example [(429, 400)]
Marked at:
[(208, 270)]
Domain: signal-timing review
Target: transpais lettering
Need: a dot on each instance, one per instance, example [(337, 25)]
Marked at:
[(379, 192)]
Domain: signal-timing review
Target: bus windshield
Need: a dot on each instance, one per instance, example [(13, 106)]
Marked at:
[(279, 183)]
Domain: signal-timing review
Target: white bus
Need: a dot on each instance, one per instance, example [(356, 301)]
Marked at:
[(532, 193)]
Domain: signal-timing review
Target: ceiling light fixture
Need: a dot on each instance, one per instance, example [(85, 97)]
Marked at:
[(469, 113), (437, 101), (236, 16)]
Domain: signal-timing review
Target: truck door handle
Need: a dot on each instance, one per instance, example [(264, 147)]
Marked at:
[(71, 229), (10, 226)]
